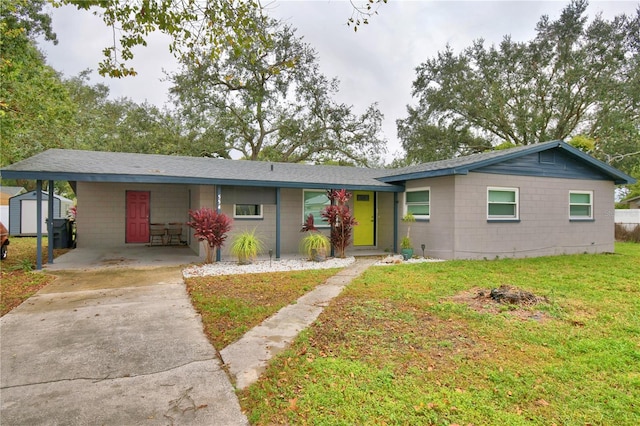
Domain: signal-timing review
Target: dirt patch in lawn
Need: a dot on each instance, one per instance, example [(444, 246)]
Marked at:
[(504, 299)]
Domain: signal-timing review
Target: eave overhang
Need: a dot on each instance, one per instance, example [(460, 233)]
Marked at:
[(163, 179)]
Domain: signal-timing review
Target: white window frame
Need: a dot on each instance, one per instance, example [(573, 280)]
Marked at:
[(516, 203), (590, 204), (318, 222), (248, 216), (407, 204)]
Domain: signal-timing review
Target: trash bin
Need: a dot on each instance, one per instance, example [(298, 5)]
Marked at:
[(61, 233)]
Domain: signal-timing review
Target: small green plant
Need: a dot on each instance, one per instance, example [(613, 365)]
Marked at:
[(24, 265), (406, 243), (246, 246), (316, 245)]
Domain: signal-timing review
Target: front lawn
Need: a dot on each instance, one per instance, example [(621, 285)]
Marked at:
[(407, 344), (18, 282), (230, 305)]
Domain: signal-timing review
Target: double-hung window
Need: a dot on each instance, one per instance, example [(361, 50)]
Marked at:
[(247, 211), (313, 202), (580, 205), (502, 203), (418, 202)]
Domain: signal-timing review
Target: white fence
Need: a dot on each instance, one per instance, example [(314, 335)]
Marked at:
[(627, 218)]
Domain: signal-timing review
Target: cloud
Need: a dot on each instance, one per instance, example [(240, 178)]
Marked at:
[(375, 64)]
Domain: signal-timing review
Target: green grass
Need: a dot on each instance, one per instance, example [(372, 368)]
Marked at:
[(230, 305), (18, 282), (396, 348)]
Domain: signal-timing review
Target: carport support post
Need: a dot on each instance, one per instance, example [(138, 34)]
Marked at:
[(219, 210), (277, 223), (50, 222), (395, 222), (38, 225)]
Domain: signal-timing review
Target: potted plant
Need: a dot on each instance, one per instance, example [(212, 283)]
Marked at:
[(315, 244), (406, 245), (246, 246)]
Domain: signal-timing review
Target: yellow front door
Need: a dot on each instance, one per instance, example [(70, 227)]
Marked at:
[(364, 212)]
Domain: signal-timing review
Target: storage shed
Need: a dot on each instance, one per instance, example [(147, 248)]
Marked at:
[(23, 212)]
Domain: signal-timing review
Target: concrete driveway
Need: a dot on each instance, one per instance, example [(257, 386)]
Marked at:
[(113, 347)]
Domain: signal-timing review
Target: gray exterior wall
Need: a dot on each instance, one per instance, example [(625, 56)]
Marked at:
[(459, 229), (100, 221), (384, 230), (437, 233)]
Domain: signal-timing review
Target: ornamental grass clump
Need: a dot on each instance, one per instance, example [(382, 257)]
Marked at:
[(246, 246), (315, 244), (210, 226)]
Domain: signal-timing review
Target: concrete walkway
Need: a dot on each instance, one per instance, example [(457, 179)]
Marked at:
[(248, 357), (125, 347), (101, 352)]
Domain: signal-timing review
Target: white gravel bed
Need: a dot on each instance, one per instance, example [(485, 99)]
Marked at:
[(296, 264)]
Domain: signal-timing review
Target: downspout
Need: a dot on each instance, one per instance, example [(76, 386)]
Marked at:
[(39, 225), (277, 223), (395, 222), (50, 223), (219, 210)]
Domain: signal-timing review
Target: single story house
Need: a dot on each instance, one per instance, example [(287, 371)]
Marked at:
[(543, 199), (634, 203)]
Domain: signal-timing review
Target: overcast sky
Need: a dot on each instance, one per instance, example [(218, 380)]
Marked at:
[(375, 64)]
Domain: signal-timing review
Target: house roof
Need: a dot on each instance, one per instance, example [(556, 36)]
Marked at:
[(12, 190), (630, 200), (466, 164), (94, 166)]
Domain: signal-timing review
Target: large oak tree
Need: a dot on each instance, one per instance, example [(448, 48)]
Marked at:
[(576, 77), (269, 101), (191, 24)]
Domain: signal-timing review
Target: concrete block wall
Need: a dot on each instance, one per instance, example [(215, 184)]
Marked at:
[(101, 214), (543, 228), (437, 233)]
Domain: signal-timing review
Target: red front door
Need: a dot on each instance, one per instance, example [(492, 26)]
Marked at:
[(137, 217)]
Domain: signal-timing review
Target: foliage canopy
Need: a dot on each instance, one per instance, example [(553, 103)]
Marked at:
[(574, 78)]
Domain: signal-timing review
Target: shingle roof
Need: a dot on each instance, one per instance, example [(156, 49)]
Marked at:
[(463, 165), (74, 165)]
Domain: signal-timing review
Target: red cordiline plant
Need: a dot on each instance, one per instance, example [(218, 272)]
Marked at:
[(210, 226), (340, 218)]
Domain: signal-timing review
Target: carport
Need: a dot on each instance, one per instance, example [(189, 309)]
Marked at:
[(125, 257)]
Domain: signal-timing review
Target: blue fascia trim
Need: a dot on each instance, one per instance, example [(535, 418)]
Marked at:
[(617, 176), (94, 177), (425, 174)]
